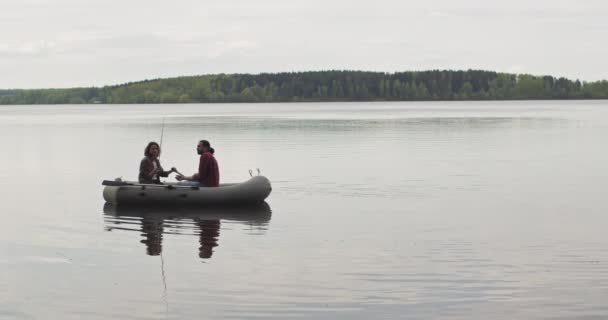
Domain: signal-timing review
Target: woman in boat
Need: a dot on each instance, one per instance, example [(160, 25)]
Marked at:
[(150, 169)]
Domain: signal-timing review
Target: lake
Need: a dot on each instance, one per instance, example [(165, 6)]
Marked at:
[(421, 210)]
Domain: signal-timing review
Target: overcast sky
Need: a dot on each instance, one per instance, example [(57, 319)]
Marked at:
[(63, 43)]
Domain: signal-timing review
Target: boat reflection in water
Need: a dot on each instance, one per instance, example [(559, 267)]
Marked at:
[(154, 222)]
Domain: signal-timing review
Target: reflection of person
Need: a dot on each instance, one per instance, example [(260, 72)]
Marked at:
[(210, 231), (152, 230), (208, 174), (150, 169)]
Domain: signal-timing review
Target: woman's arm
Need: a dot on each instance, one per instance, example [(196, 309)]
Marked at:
[(161, 171)]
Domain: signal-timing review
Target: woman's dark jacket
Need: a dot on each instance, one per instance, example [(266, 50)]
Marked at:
[(146, 166)]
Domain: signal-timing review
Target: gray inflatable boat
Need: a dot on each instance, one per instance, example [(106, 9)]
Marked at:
[(254, 190)]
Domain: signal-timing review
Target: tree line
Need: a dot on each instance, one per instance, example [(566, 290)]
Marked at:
[(322, 86)]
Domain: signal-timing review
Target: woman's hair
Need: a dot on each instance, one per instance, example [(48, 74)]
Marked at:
[(207, 145), (147, 150)]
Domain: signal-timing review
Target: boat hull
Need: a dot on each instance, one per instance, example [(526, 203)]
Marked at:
[(254, 190)]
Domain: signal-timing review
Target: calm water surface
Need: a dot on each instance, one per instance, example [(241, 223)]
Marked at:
[(472, 210)]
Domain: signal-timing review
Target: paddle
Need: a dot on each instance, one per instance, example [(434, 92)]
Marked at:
[(111, 183)]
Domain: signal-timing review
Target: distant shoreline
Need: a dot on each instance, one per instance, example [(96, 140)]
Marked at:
[(322, 86), (301, 102)]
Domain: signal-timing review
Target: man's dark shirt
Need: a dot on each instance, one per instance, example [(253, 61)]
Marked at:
[(208, 170)]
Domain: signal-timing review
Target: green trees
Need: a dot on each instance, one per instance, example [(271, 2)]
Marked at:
[(466, 91), (597, 89), (322, 86), (530, 87)]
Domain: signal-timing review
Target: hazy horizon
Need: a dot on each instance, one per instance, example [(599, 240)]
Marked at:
[(68, 43)]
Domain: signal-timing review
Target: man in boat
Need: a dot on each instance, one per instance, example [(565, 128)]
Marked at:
[(208, 174)]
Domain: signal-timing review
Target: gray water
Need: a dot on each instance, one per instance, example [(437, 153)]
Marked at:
[(468, 210)]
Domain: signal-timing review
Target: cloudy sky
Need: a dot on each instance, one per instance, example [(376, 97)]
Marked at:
[(63, 43)]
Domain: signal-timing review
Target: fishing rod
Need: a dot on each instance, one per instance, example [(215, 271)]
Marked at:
[(162, 271), (162, 260), (162, 133)]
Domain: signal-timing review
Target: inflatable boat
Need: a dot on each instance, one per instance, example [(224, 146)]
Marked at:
[(254, 190)]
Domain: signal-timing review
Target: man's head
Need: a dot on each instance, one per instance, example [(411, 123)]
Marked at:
[(203, 146)]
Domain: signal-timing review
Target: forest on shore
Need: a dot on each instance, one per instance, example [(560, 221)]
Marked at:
[(317, 86)]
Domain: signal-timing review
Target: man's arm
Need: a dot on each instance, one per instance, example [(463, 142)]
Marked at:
[(203, 167), (193, 177), (202, 164)]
